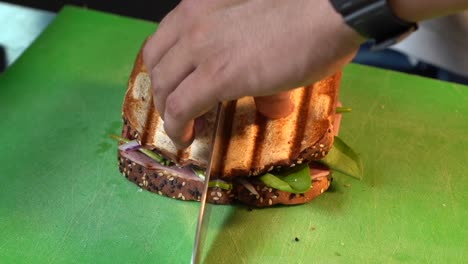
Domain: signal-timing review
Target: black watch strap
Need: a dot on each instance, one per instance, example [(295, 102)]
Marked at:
[(374, 19)]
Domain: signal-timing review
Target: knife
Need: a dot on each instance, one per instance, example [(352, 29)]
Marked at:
[(205, 208)]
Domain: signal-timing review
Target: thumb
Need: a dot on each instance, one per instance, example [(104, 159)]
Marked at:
[(275, 106)]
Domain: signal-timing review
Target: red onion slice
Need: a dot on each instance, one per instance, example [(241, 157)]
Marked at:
[(142, 159), (129, 146)]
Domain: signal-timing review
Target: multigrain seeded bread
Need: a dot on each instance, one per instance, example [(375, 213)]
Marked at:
[(173, 186), (254, 144), (170, 184)]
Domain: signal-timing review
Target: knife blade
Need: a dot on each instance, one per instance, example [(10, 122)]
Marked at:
[(205, 208)]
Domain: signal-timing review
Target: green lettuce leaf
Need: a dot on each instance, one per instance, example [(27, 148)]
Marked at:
[(220, 184), (342, 158), (343, 109), (295, 180), (214, 183)]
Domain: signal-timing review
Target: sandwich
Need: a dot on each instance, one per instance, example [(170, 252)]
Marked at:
[(262, 162)]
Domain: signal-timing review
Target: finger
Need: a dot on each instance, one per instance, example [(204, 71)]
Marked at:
[(174, 24), (181, 137), (275, 106), (180, 132), (195, 95), (172, 69), (162, 40)]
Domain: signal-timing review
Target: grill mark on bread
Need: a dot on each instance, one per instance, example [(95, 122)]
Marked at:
[(150, 123), (227, 117), (303, 113), (261, 122)]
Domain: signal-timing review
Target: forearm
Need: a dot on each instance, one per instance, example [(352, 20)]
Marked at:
[(417, 10)]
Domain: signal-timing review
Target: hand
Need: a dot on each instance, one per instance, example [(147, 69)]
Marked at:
[(207, 51)]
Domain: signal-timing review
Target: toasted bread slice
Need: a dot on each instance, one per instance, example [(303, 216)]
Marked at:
[(253, 144)]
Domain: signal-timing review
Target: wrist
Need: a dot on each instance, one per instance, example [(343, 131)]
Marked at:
[(405, 10), (418, 10)]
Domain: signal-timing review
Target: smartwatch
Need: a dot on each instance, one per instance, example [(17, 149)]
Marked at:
[(375, 20)]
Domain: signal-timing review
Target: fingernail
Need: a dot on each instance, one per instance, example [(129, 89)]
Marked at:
[(275, 106), (178, 146), (181, 145)]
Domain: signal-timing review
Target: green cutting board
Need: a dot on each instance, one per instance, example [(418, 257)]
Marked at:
[(63, 200)]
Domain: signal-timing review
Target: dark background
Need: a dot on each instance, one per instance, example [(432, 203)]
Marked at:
[(156, 10), (149, 10), (143, 9)]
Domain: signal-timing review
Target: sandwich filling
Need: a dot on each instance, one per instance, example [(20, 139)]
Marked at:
[(296, 179)]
